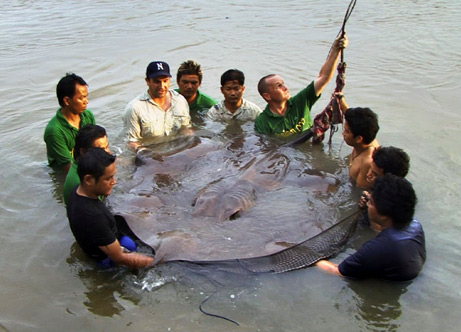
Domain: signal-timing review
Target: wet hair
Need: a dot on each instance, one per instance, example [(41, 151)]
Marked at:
[(86, 137), (66, 87), (392, 160), (395, 197), (233, 75), (94, 162), (363, 122), (189, 67), (263, 87)]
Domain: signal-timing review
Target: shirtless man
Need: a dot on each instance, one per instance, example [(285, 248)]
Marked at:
[(385, 160), (360, 129), (388, 159)]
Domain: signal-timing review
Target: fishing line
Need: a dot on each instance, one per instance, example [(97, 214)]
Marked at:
[(215, 315), (216, 287)]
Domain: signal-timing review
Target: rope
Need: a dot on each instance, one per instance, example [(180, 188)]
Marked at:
[(346, 18), (342, 31)]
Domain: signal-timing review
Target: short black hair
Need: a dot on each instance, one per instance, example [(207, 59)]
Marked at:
[(189, 67), (392, 160), (233, 75), (363, 122), (94, 162), (66, 87), (395, 197), (86, 137)]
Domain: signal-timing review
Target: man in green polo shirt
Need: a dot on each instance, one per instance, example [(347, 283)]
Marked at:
[(189, 79), (284, 114), (60, 133)]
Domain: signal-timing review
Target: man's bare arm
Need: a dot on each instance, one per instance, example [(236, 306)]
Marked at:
[(328, 267), (132, 259), (328, 69)]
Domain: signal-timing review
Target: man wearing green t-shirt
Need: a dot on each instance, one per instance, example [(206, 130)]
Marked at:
[(60, 133), (285, 114), (189, 79)]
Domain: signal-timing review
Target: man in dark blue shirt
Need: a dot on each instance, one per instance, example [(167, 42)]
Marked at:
[(398, 252)]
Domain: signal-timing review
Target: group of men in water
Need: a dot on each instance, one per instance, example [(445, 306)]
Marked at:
[(80, 147)]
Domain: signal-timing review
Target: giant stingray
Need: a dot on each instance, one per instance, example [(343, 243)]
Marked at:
[(222, 203)]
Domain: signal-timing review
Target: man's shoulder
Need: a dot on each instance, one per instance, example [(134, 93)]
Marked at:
[(263, 121), (52, 124), (363, 158), (179, 104), (413, 230), (140, 99), (205, 100), (306, 93), (374, 248), (56, 125), (85, 206), (248, 104), (56, 120), (176, 94), (219, 106), (88, 113), (216, 110), (87, 117), (366, 158), (177, 97)]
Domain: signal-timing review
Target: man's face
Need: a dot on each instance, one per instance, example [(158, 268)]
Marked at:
[(188, 86), (79, 102), (348, 135), (102, 143), (373, 215), (106, 182), (277, 90), (158, 86), (233, 92), (374, 172)]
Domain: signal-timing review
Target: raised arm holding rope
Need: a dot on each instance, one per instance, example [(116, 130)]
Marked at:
[(285, 114)]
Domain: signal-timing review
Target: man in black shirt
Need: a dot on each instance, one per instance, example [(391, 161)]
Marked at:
[(90, 220)]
